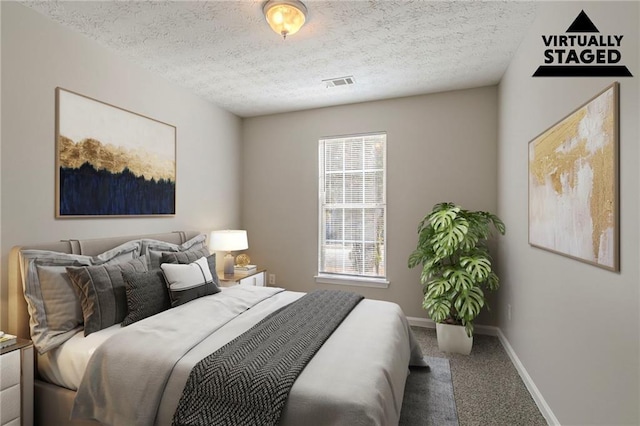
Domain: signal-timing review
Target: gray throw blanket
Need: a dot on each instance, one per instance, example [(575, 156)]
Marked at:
[(247, 381)]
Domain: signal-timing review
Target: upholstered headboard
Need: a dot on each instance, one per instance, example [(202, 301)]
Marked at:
[(18, 314)]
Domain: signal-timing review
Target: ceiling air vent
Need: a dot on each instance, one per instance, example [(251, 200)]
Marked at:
[(340, 81)]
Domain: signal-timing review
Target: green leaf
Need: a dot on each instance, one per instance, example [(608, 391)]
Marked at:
[(415, 259), (446, 242), (470, 240), (425, 275), (493, 282), (477, 265), (425, 235), (438, 309), (443, 215), (469, 328), (437, 287), (469, 303), (424, 224), (431, 267), (497, 223), (461, 280)]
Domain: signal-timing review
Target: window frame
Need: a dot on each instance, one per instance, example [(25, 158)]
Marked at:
[(344, 278)]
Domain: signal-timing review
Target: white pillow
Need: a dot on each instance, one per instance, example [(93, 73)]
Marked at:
[(188, 281)]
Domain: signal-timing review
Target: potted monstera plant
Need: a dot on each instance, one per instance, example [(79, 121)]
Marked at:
[(456, 270)]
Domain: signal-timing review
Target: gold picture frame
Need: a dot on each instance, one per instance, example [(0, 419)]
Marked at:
[(574, 183), (111, 162)]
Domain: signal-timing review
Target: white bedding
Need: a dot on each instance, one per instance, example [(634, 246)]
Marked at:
[(356, 378), (65, 365)]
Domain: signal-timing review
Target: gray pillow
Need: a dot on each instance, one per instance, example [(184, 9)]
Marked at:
[(61, 302), (153, 248), (52, 303), (147, 295), (191, 256), (102, 292)]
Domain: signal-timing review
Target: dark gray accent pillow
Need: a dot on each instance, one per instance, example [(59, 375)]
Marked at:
[(102, 292), (191, 256), (147, 295)]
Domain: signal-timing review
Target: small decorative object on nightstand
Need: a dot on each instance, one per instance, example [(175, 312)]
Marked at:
[(242, 260), (16, 384), (257, 278)]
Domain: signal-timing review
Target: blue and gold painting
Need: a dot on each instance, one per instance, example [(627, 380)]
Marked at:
[(112, 162)]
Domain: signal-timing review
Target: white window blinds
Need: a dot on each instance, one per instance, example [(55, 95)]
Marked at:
[(352, 231)]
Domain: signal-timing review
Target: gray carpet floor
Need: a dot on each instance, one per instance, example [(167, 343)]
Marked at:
[(486, 385)]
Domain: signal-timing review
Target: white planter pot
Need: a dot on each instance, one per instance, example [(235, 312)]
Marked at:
[(453, 338)]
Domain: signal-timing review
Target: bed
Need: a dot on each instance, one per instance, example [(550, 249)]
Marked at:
[(357, 376)]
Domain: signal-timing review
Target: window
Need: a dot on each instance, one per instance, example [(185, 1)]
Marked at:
[(352, 191)]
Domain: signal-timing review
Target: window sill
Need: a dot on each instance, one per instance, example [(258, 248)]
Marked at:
[(352, 281)]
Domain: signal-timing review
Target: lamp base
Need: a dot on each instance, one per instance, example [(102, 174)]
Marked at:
[(228, 264)]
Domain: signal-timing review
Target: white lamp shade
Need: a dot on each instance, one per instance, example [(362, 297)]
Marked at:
[(228, 240)]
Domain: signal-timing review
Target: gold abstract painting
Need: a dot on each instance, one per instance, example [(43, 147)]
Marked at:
[(573, 184), (110, 161)]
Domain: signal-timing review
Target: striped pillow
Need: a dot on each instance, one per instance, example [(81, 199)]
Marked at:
[(103, 293), (192, 256), (190, 281)]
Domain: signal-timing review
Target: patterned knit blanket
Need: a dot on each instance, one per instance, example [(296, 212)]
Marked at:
[(247, 381)]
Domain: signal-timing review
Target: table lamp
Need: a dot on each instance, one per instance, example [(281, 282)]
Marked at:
[(228, 240)]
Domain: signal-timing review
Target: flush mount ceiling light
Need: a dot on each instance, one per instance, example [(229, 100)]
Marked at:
[(285, 16)]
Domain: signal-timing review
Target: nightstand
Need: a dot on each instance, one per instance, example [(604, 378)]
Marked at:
[(16, 384), (255, 278)]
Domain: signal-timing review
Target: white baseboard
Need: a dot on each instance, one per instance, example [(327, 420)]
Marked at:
[(427, 323), (544, 408), (421, 322)]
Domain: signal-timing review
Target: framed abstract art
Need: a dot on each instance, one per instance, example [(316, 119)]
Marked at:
[(111, 162), (573, 184)]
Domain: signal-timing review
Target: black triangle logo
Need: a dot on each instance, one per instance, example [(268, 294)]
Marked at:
[(582, 24)]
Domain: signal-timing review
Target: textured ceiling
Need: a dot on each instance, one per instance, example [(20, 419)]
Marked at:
[(225, 52)]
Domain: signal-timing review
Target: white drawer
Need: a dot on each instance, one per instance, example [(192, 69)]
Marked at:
[(259, 279), (246, 281), (10, 403), (255, 280), (9, 369)]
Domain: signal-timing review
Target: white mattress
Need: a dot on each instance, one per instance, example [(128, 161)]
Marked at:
[(65, 365)]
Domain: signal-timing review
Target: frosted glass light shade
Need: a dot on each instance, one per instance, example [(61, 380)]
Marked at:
[(228, 240), (285, 16)]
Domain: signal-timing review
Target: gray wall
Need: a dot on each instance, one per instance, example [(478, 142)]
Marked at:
[(37, 56), (574, 326), (440, 147)]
